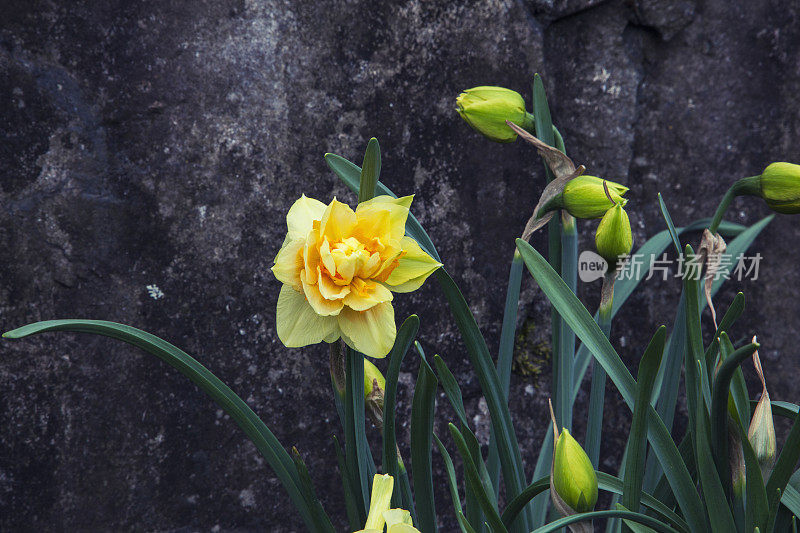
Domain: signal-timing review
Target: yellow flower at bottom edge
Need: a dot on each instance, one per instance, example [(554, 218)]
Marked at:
[(396, 520), (339, 268)]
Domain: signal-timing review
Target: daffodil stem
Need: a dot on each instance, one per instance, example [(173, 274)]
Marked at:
[(744, 187), (566, 360), (594, 427)]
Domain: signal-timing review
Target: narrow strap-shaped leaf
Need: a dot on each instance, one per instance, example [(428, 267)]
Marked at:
[(694, 343), (370, 171), (322, 522), (505, 356), (453, 393), (597, 394), (784, 466), (355, 445), (452, 484), (266, 443), (405, 336), (473, 479), (422, 409), (478, 352), (719, 512), (637, 441), (648, 521), (757, 507), (605, 482), (791, 499), (719, 410), (673, 233), (349, 498), (350, 174), (590, 334)]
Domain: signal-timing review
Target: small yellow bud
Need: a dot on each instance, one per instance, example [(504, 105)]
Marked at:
[(614, 238), (585, 196), (761, 433), (780, 187), (573, 476), (487, 108)]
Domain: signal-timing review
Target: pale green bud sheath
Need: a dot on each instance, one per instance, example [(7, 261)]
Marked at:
[(573, 475), (585, 196), (761, 433), (371, 376), (614, 238), (487, 108)]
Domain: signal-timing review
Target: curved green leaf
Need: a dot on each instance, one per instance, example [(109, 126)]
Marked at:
[(266, 443), (639, 518), (422, 409)]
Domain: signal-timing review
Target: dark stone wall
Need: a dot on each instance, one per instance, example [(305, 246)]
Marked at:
[(160, 144)]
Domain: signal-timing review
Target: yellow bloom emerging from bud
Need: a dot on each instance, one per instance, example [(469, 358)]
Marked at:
[(487, 108), (396, 520), (573, 476), (585, 197), (339, 268), (614, 238), (780, 187), (762, 429)]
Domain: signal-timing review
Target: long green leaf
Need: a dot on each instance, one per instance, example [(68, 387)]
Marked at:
[(473, 479), (785, 465), (508, 447), (649, 521), (356, 448), (757, 507), (590, 334), (350, 174), (505, 356), (322, 522), (405, 336), (266, 443), (370, 171), (637, 441), (422, 409), (349, 498), (719, 513), (452, 484)]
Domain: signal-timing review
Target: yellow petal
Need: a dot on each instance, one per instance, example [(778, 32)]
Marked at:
[(371, 332), (337, 222), (302, 215), (397, 516), (289, 263), (402, 528), (328, 289), (378, 208), (311, 257), (298, 324), (327, 258), (320, 304), (413, 268), (382, 486), (365, 294)]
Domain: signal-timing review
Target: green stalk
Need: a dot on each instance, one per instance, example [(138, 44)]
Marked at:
[(566, 357), (745, 186), (594, 427)]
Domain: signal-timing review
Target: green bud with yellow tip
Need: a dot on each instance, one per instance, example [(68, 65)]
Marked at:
[(780, 187), (585, 196), (487, 108), (614, 239), (372, 376), (761, 433), (574, 478)]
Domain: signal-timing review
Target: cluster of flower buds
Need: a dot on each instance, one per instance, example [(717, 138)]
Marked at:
[(499, 114)]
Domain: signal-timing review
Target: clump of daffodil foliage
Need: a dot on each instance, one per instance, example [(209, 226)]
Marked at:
[(718, 468)]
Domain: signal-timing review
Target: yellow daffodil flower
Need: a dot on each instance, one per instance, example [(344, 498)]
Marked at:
[(339, 268), (396, 520)]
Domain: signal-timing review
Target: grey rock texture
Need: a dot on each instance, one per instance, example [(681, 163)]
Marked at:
[(150, 150)]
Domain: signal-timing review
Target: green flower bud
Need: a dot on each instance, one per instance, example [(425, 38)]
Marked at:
[(487, 108), (371, 375), (780, 187), (585, 197), (573, 476), (614, 238)]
